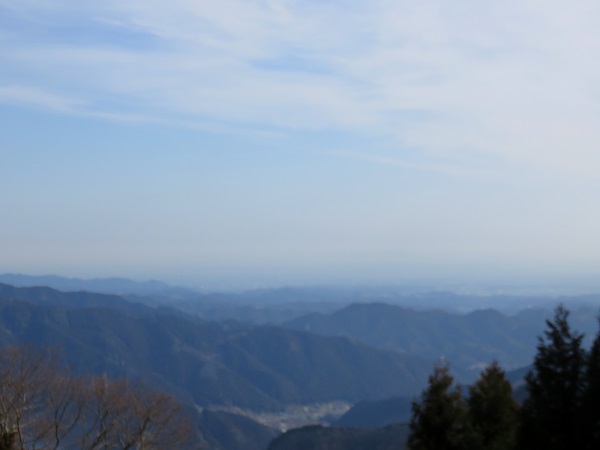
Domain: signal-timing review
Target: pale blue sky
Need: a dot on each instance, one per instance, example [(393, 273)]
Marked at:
[(283, 141)]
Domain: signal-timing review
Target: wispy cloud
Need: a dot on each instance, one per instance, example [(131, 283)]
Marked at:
[(36, 97), (452, 170), (516, 81)]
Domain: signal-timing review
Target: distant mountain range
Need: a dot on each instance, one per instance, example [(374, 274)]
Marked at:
[(204, 363), (467, 341), (42, 295), (254, 367), (278, 305), (376, 355), (119, 286)]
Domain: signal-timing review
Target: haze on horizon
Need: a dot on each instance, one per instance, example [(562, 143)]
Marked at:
[(288, 141)]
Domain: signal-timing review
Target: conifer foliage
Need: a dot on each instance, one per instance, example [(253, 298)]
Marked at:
[(591, 398), (439, 420), (561, 412), (445, 420), (551, 418), (492, 411)]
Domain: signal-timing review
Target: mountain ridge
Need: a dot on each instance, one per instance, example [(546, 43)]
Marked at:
[(468, 341), (258, 367)]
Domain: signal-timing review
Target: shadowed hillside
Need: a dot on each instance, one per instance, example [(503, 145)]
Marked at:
[(467, 341), (257, 368), (322, 438)]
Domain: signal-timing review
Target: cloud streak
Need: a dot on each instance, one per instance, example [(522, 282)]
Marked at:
[(516, 82), (33, 96)]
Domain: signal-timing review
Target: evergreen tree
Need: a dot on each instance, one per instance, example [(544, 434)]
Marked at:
[(591, 399), (551, 415), (493, 411), (439, 420)]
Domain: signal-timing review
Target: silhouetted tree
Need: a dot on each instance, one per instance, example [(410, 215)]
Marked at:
[(439, 420), (492, 411), (591, 398), (551, 414)]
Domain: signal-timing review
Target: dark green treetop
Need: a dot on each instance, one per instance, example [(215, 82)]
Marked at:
[(439, 419), (493, 411), (551, 415), (591, 398)]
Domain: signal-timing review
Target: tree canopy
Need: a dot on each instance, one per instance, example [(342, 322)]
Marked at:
[(43, 405), (439, 419), (561, 411), (551, 417)]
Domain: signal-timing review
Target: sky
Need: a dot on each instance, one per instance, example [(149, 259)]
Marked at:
[(271, 142)]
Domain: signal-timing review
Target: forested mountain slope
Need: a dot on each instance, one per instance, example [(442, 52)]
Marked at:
[(322, 438), (467, 341), (209, 363)]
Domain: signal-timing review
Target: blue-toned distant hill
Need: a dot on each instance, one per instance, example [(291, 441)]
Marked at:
[(119, 286), (258, 306), (377, 413), (276, 306), (203, 363), (42, 295), (467, 341), (254, 367), (330, 438), (380, 413), (226, 431)]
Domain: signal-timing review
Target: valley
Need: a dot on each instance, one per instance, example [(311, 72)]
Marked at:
[(315, 362)]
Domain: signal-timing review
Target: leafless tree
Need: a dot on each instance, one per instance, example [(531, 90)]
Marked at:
[(44, 406), (24, 373), (123, 415)]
